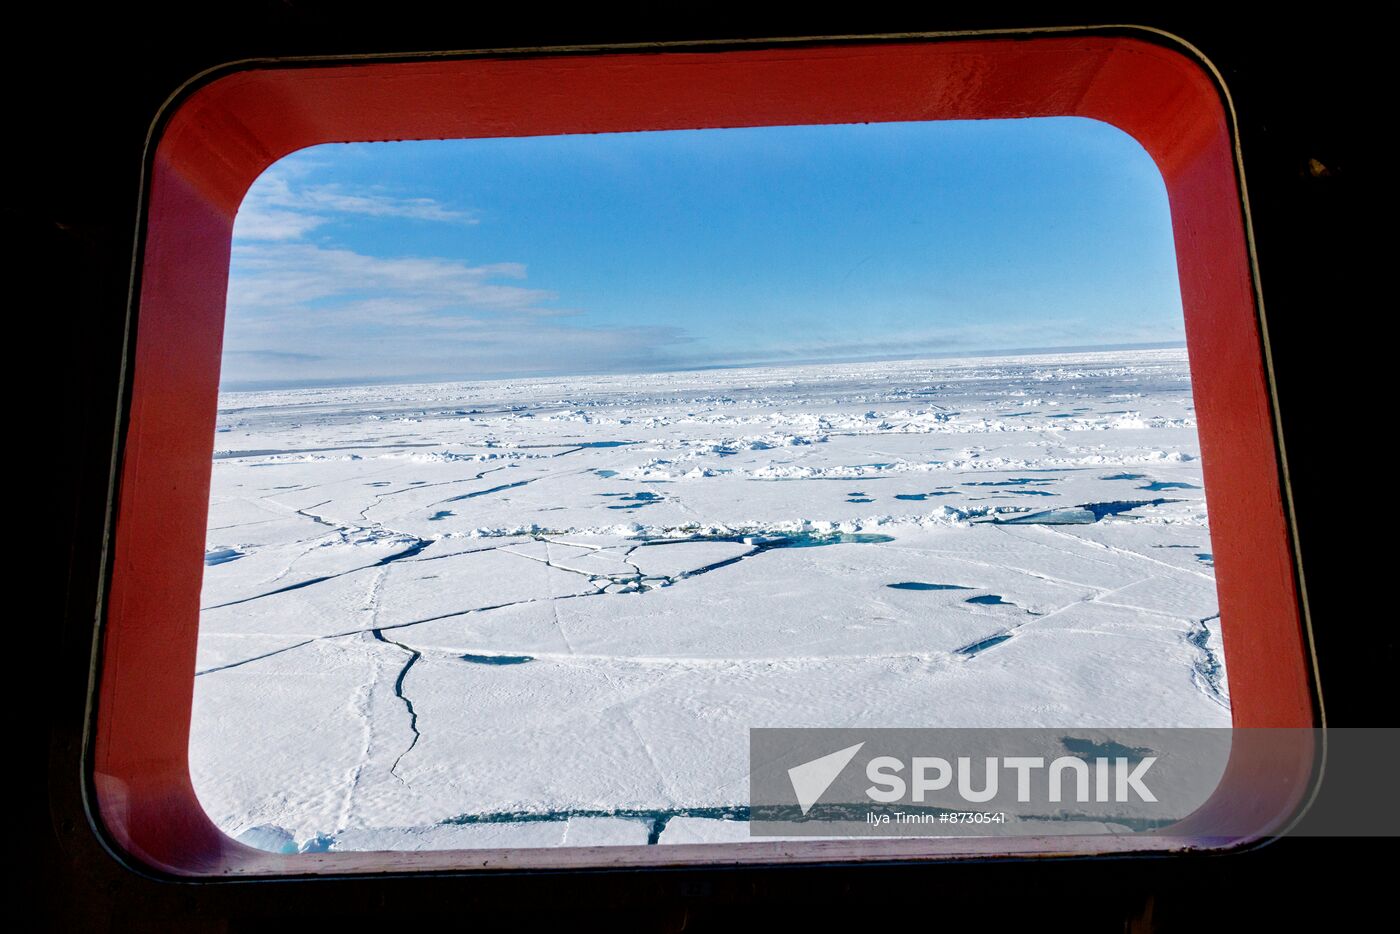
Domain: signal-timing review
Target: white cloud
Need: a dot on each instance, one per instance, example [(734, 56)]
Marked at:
[(286, 278), (302, 310), (264, 223), (348, 316), (279, 207)]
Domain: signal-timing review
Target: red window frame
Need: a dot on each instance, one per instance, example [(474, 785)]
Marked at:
[(226, 131)]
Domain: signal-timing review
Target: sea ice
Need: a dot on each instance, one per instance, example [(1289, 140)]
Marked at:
[(545, 612)]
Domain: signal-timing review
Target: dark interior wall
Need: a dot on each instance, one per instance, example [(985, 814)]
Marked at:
[(83, 89)]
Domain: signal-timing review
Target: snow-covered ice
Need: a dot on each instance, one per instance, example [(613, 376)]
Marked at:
[(543, 612)]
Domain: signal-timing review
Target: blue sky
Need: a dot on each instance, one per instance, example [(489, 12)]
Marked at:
[(637, 252)]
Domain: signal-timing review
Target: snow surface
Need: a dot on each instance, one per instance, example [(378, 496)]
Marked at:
[(546, 612)]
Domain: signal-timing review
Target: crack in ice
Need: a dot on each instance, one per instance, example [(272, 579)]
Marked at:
[(413, 656)]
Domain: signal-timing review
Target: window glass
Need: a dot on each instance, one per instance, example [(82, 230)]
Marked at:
[(547, 467)]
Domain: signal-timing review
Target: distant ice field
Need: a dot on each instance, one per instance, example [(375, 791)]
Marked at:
[(546, 612)]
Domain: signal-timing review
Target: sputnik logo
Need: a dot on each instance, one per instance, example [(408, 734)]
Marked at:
[(810, 780)]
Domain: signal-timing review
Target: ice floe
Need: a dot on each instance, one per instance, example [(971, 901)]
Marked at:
[(545, 612)]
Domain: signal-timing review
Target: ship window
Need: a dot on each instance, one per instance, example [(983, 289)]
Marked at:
[(550, 457)]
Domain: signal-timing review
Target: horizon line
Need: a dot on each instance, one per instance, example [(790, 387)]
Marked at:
[(271, 385)]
